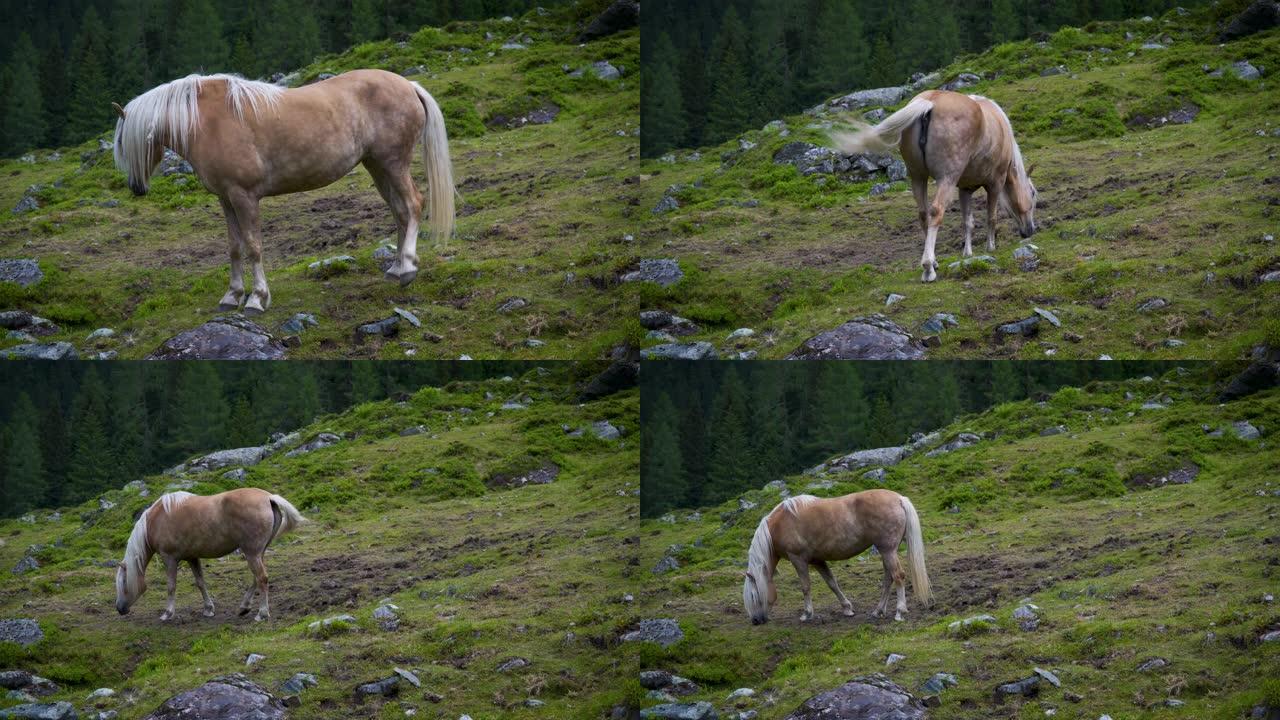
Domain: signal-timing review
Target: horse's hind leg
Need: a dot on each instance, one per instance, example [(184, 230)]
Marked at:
[(198, 572), (993, 207), (826, 574), (171, 571), (966, 209), (235, 242), (883, 606), (920, 189), (259, 570), (893, 569), (941, 197), (248, 218), (396, 186)]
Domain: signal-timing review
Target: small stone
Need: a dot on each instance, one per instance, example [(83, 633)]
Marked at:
[(894, 659), (254, 659), (514, 663), (408, 317), (1048, 676), (1047, 315), (894, 298), (1153, 664), (1152, 304), (411, 678), (741, 333)]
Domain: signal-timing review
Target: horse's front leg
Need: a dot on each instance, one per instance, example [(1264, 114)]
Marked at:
[(802, 570), (198, 572), (825, 571), (966, 209), (247, 216), (171, 571), (235, 246)]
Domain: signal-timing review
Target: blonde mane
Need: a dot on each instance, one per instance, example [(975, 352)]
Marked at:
[(137, 553), (1018, 165), (171, 112)]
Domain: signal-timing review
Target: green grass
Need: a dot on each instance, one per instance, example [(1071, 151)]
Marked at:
[(1128, 213), (479, 575), (1120, 575), (543, 211)]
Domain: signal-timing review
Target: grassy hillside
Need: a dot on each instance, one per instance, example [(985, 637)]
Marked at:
[(542, 216), (1180, 212), (1121, 574), (480, 575)]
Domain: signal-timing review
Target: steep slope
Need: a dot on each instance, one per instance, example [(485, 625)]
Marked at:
[(1182, 212), (481, 573), (1064, 518), (543, 209)]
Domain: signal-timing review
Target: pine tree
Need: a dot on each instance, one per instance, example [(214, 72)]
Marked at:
[(1004, 22), (197, 411), (838, 412), (882, 68), (661, 117), (366, 21), (366, 386), (662, 481), (23, 125), (731, 465), (769, 420), (89, 108), (129, 48), (836, 56), (197, 44), (694, 94), (242, 425), (54, 88), (22, 486), (128, 408), (92, 463), (1005, 383), (55, 451), (729, 110), (694, 451), (769, 60), (884, 426)]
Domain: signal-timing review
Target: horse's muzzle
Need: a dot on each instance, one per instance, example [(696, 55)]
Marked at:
[(757, 621), (122, 609), (138, 189)]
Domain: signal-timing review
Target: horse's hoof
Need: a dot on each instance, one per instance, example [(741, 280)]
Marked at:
[(208, 612), (166, 616), (848, 612), (408, 277), (228, 307), (260, 617), (243, 612), (897, 617)]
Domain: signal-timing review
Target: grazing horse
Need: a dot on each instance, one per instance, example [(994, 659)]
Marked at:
[(247, 140), (962, 141), (810, 531), (180, 526)]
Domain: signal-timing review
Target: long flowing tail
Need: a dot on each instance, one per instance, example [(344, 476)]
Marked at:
[(915, 554), (290, 518), (882, 138), (435, 158)]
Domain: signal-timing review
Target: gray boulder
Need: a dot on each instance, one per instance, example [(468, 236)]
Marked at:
[(226, 697), (298, 323), (870, 697), (23, 272), (605, 430), (663, 271), (666, 205), (543, 474), (1245, 71), (387, 327), (22, 631), (173, 164), (663, 631), (1261, 15), (217, 460), (41, 351), (963, 80), (605, 71), (26, 565), (881, 457), (298, 683), (621, 15), (323, 440), (701, 710), (680, 351), (963, 440), (1027, 687), (41, 711), (863, 338), (229, 337), (1245, 431), (666, 565), (938, 323), (876, 97)]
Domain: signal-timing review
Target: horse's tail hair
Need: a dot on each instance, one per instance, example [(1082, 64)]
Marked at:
[(915, 553), (435, 158), (882, 138), (290, 518)]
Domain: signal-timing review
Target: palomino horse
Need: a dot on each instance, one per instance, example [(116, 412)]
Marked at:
[(962, 141), (247, 140), (811, 531), (180, 526)]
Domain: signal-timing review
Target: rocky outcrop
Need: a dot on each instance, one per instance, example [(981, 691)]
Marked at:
[(23, 272), (22, 631), (237, 457), (229, 696), (1261, 15), (663, 631), (621, 15), (230, 337), (870, 697), (862, 338), (542, 475)]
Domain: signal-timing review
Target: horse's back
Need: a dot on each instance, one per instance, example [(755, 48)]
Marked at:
[(207, 526)]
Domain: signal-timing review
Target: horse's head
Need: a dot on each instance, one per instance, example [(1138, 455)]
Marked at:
[(137, 151), (758, 595), (1020, 199), (130, 584)]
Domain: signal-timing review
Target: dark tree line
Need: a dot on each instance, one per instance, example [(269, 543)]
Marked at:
[(712, 430), (714, 68), (70, 430), (65, 61)]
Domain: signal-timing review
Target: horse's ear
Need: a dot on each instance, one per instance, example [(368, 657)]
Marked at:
[(119, 110)]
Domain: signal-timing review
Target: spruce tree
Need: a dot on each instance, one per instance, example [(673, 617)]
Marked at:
[(128, 408), (23, 125), (129, 49), (769, 420), (22, 487), (661, 117), (1004, 22), (366, 386), (366, 21), (729, 110), (882, 68), (694, 451), (1005, 383), (838, 413), (89, 109), (54, 88), (883, 430), (242, 425), (694, 94), (731, 466), (836, 55), (197, 45), (91, 464), (662, 481), (243, 60), (55, 451), (770, 70), (197, 411)]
